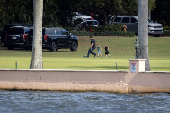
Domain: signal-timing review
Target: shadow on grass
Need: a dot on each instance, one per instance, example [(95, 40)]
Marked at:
[(29, 50), (56, 51)]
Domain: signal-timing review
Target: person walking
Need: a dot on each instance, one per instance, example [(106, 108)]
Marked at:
[(92, 47), (106, 51), (99, 51)]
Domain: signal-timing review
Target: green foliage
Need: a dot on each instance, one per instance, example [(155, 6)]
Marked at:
[(114, 27), (161, 12), (151, 4), (107, 30), (166, 27), (104, 33), (166, 32), (81, 33), (60, 12)]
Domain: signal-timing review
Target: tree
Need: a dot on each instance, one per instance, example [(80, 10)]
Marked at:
[(36, 61), (161, 12), (50, 17), (102, 9), (143, 32), (151, 6), (15, 11), (106, 9)]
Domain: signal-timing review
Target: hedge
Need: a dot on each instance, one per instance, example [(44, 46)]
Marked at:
[(104, 33), (166, 33)]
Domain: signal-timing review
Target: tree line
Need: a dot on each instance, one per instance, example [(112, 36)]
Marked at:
[(60, 12)]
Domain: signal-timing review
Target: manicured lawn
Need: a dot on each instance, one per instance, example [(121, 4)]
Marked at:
[(121, 49)]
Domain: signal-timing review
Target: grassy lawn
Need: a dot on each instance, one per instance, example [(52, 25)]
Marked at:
[(121, 49)]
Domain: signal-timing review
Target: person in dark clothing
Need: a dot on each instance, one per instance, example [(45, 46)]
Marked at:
[(92, 47), (106, 51)]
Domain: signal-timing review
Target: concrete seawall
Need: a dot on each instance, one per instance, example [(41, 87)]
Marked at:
[(85, 80)]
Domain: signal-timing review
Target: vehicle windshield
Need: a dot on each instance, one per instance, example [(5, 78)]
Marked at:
[(65, 32), (90, 22), (15, 31)]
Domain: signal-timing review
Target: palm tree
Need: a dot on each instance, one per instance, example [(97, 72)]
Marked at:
[(36, 61), (143, 31)]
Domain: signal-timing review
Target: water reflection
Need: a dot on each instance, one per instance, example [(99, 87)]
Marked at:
[(89, 102)]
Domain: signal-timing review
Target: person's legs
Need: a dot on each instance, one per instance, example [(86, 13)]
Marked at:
[(89, 51), (105, 55), (98, 53), (93, 52)]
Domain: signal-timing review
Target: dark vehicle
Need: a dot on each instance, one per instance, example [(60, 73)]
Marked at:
[(30, 38), (16, 37), (59, 38), (6, 28)]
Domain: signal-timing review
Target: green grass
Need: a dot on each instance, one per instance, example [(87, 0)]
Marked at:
[(121, 49)]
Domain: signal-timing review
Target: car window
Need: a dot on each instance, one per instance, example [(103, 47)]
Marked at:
[(15, 31), (65, 32), (133, 20), (117, 19), (125, 20), (95, 22), (57, 32), (92, 22), (50, 32), (26, 31)]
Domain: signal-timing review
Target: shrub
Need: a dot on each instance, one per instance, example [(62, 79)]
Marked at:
[(108, 30), (114, 27), (166, 33), (167, 28), (104, 33)]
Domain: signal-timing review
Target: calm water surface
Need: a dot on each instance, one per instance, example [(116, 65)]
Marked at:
[(89, 102)]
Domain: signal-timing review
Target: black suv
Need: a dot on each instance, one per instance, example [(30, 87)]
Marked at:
[(30, 38), (59, 38), (16, 37), (6, 28)]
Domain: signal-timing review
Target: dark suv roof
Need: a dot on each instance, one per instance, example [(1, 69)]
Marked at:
[(16, 30), (7, 26)]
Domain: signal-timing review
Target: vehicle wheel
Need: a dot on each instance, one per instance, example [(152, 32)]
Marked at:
[(10, 47), (5, 45), (54, 47), (73, 46)]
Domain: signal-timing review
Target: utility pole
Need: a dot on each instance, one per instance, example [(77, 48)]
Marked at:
[(143, 31), (36, 61)]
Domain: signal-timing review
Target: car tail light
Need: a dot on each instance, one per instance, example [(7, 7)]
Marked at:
[(45, 37), (5, 36), (23, 36), (27, 37)]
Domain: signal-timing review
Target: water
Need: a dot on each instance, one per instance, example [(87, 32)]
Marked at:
[(88, 102)]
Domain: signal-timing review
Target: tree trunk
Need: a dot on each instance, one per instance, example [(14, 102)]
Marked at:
[(105, 19), (149, 14), (143, 31), (36, 61)]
